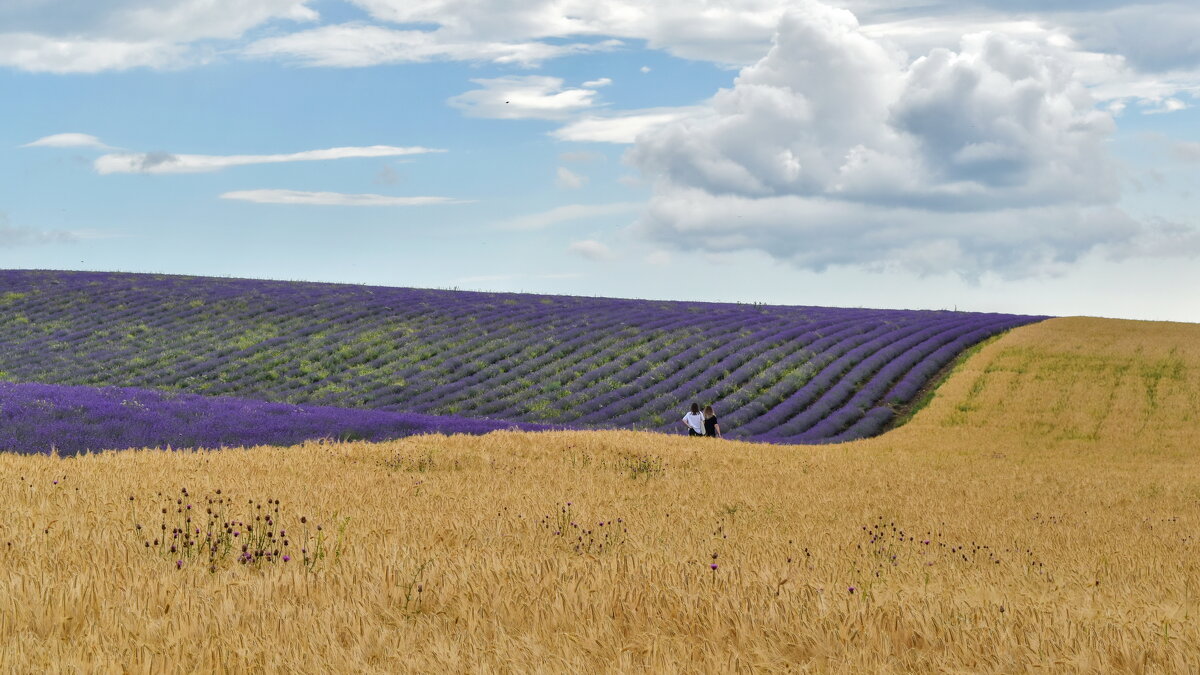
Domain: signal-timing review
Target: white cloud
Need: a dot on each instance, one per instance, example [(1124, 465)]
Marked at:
[(69, 140), (332, 198), (644, 69), (38, 53), (12, 236), (139, 20), (621, 127), (359, 44), (834, 150), (523, 97), (730, 31), (601, 82), (569, 180), (84, 36), (567, 213), (1135, 45), (163, 162), (1152, 36), (1167, 105), (590, 249)]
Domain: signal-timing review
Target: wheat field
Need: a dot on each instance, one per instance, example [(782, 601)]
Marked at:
[(1041, 513)]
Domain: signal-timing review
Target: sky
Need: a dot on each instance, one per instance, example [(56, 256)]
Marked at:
[(1028, 157)]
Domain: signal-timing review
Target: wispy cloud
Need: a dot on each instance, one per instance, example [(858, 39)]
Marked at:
[(353, 45), (12, 236), (569, 212), (590, 249), (163, 162), (523, 97), (1167, 105), (568, 179), (621, 128), (69, 140), (333, 198)]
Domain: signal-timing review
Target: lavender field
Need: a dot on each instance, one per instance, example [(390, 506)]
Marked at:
[(773, 373), (44, 418)]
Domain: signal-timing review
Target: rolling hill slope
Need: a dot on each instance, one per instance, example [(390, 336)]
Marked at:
[(774, 373)]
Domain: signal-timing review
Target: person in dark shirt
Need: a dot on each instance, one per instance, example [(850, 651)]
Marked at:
[(712, 428)]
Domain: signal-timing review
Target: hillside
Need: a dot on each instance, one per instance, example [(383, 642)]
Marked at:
[(1038, 515), (774, 373)]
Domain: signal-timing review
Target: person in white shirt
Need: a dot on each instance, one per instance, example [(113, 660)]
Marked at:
[(694, 421)]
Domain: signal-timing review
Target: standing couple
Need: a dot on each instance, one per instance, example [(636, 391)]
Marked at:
[(702, 425)]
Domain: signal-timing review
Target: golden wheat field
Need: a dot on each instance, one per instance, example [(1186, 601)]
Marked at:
[(1041, 513)]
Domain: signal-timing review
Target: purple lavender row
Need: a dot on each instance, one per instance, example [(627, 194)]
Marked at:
[(619, 370), (40, 418), (777, 379), (760, 367), (677, 367), (919, 376), (828, 365), (569, 348), (716, 365), (515, 393), (517, 346), (876, 354), (838, 424)]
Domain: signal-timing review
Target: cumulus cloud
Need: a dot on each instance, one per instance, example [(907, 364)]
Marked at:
[(523, 97), (163, 162), (569, 180), (835, 150), (601, 82), (332, 198), (590, 249), (567, 213)]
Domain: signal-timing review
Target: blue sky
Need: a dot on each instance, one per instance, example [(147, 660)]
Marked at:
[(1042, 159)]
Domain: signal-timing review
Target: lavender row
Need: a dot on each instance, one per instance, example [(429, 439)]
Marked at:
[(41, 418)]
